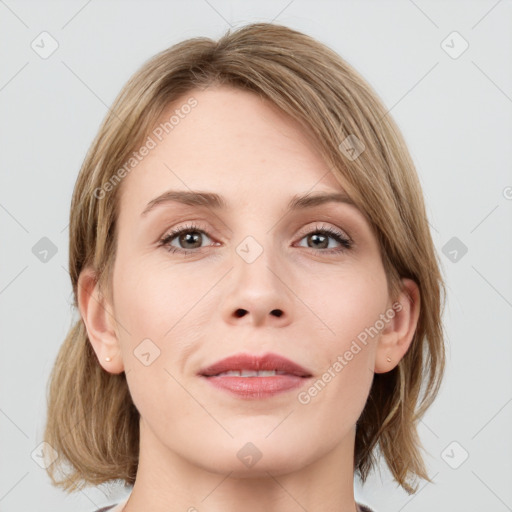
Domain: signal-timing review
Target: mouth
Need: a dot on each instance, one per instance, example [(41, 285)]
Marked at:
[(253, 365), (251, 376), (250, 373)]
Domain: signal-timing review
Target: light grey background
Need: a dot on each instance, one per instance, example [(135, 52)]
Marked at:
[(456, 116)]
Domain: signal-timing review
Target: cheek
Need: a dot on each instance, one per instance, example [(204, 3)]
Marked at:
[(152, 303), (165, 312), (154, 299), (347, 303), (349, 307)]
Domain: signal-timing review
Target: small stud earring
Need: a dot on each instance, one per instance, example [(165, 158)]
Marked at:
[(389, 360), (108, 359)]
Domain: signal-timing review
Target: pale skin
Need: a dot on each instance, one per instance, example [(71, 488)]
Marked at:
[(243, 148)]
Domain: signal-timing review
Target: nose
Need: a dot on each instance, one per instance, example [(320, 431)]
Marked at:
[(258, 293)]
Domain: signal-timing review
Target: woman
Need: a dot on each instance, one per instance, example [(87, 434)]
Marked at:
[(259, 294)]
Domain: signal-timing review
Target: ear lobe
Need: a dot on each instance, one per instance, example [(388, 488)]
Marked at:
[(396, 337), (99, 321)]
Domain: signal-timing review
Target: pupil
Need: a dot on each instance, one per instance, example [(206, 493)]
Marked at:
[(190, 237), (316, 237)]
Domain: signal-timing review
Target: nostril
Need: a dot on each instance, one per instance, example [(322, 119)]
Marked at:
[(239, 313)]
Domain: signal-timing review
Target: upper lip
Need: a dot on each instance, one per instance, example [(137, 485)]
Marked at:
[(245, 361)]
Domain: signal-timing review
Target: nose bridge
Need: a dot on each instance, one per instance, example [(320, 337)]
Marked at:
[(257, 291)]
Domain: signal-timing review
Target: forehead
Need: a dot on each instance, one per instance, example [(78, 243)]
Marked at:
[(232, 142)]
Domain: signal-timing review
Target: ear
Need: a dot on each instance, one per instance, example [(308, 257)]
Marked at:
[(397, 335), (100, 323)]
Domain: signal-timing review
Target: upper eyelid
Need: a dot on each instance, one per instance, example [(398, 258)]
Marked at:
[(198, 225)]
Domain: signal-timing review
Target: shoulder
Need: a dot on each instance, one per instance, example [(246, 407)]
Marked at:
[(364, 508), (116, 507)]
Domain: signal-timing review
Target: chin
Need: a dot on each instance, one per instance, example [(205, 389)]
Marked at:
[(253, 459)]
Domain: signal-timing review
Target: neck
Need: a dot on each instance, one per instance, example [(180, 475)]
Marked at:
[(166, 481)]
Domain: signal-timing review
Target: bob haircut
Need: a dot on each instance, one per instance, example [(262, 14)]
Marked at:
[(91, 419)]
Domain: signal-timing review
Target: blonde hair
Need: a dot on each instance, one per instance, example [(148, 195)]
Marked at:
[(91, 419)]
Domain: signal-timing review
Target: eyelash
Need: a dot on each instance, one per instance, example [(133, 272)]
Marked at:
[(346, 243)]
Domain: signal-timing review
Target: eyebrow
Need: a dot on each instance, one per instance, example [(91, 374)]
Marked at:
[(217, 202)]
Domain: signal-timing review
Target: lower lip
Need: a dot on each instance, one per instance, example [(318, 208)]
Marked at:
[(257, 387)]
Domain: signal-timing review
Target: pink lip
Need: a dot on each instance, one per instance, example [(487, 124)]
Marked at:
[(256, 387), (255, 362)]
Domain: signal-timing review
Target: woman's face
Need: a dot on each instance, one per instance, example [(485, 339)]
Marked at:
[(256, 278)]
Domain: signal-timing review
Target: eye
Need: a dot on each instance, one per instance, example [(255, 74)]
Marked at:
[(190, 236), (189, 239), (319, 239)]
